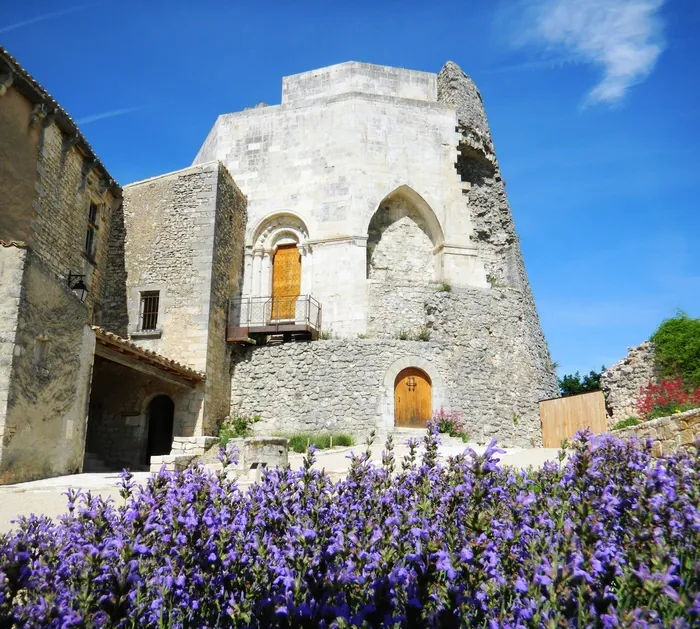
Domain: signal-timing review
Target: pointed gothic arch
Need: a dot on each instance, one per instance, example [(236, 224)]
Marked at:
[(404, 222)]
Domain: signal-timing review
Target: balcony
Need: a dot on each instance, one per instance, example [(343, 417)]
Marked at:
[(257, 318)]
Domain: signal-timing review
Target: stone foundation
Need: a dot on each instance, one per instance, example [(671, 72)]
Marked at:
[(667, 434), (482, 358)]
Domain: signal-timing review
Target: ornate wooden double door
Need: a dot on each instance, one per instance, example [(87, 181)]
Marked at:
[(412, 398), (286, 282)]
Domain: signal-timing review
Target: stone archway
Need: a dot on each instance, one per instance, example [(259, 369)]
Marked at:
[(404, 222), (278, 230), (387, 401), (161, 416)]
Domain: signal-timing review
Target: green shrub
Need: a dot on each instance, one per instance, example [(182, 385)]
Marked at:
[(677, 343), (626, 423), (671, 409), (423, 334), (299, 442), (343, 440), (403, 335), (445, 287), (236, 426), (574, 384)]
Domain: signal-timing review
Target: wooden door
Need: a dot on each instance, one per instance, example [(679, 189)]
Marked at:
[(563, 417), (286, 282), (412, 398)]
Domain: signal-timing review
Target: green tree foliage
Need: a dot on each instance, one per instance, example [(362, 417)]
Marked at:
[(574, 384), (677, 342)]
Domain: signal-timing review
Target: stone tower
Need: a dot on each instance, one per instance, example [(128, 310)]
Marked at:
[(374, 193)]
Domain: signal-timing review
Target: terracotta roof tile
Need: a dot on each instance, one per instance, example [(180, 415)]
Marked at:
[(109, 338)]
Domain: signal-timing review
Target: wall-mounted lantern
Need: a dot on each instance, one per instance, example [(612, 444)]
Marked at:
[(77, 284)]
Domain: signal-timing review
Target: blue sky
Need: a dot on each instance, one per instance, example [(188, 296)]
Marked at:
[(594, 107)]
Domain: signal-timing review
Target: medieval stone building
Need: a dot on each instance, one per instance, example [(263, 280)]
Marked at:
[(345, 260), (374, 194)]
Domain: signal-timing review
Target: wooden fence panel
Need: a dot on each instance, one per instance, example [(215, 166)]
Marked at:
[(563, 417)]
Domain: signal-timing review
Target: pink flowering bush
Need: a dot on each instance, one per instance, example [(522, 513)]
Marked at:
[(666, 398), (448, 422), (609, 538)]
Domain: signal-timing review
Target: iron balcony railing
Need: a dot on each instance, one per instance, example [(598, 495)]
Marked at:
[(272, 315)]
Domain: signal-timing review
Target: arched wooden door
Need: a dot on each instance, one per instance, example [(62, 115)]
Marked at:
[(286, 282), (412, 398)]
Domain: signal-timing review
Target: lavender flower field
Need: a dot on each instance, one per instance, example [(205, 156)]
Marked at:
[(608, 538)]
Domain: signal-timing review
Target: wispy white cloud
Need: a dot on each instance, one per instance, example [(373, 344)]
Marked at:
[(108, 114), (622, 37), (45, 16)]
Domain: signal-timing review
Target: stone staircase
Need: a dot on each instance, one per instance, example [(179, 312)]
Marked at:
[(95, 465)]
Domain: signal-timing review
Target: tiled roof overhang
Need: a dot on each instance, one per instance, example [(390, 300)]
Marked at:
[(128, 349), (12, 73)]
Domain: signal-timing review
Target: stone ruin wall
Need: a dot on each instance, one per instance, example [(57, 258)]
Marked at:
[(621, 383), (486, 345), (480, 357)]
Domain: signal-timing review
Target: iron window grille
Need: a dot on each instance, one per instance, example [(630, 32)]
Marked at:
[(149, 310)]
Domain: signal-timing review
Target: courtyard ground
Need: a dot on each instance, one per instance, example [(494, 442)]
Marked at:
[(47, 496)]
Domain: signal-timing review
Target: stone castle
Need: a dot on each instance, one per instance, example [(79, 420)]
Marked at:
[(343, 261)]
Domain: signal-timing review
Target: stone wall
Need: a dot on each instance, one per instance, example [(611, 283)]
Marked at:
[(482, 357), (47, 183), (12, 263), (667, 434), (117, 430), (50, 380), (195, 264), (621, 383), (226, 280), (345, 140), (18, 158)]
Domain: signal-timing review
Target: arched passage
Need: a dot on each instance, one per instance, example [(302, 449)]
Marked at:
[(412, 398), (161, 413)]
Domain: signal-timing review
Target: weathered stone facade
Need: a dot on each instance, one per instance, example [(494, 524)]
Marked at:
[(49, 380), (49, 177), (622, 382), (667, 434), (388, 182), (184, 238), (489, 367)]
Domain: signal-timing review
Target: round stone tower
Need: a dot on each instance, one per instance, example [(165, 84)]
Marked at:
[(383, 277)]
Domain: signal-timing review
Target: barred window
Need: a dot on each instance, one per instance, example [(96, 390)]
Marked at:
[(149, 309)]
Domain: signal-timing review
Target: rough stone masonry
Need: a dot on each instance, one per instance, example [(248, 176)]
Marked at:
[(387, 181)]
